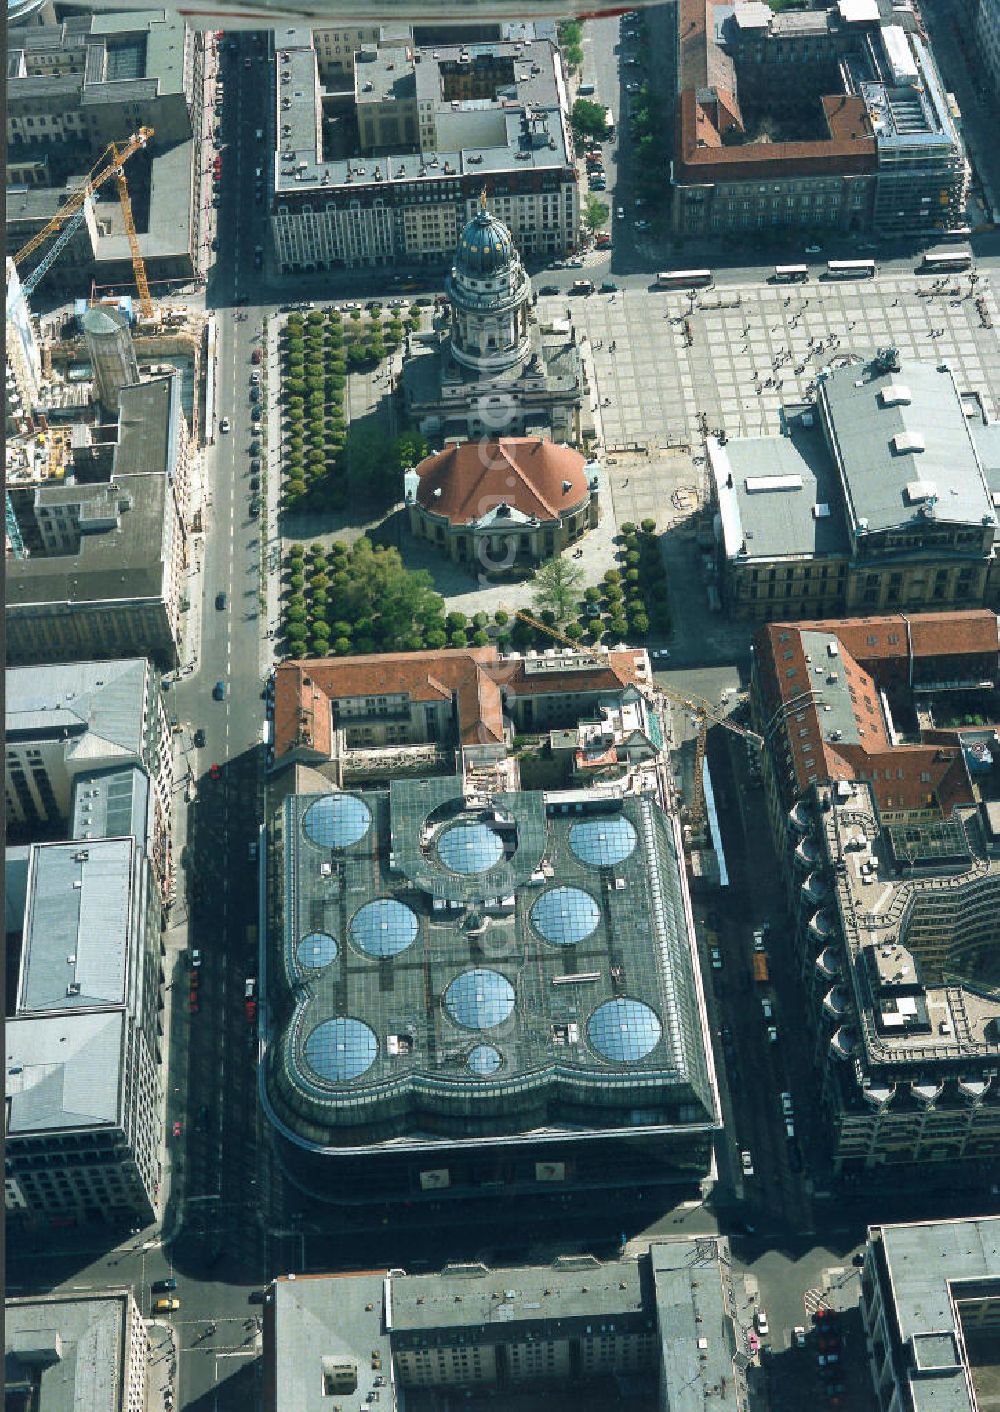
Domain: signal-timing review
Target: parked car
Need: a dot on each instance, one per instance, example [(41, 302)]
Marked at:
[(224, 424), (582, 286), (799, 1336), (199, 739), (255, 506), (255, 483), (548, 289), (195, 959), (255, 379), (256, 413), (255, 356), (255, 448), (608, 286), (716, 956), (760, 1322), (255, 394)]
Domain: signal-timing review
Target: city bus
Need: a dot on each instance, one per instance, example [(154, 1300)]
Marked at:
[(946, 261), (850, 269), (609, 125), (790, 274), (683, 279)]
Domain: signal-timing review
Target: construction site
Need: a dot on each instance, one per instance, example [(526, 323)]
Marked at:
[(65, 373)]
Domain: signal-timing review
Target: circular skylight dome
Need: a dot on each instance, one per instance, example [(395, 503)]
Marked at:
[(337, 820), (602, 842), (316, 950), (484, 1059), (564, 915), (624, 1030), (341, 1049), (469, 848), (383, 928), (479, 999)]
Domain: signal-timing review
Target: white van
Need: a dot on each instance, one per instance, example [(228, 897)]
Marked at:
[(786, 1104), (767, 1008)]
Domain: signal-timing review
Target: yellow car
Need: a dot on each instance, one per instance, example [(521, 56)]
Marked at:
[(165, 1306)]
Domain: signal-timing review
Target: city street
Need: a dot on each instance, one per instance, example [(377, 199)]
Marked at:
[(665, 371)]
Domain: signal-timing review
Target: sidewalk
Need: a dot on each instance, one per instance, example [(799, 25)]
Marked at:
[(271, 564), (161, 1368)]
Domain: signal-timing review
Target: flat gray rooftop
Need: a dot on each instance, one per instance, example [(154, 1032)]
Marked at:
[(930, 1265), (320, 1320), (904, 441), (779, 495), (64, 1071), (77, 941), (71, 1348), (95, 707)]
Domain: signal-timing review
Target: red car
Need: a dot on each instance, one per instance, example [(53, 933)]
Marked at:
[(215, 771), (177, 1130), (250, 1009), (193, 1001), (255, 356)]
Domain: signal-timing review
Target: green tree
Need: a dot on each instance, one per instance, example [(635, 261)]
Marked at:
[(588, 118), (480, 638), (556, 587), (571, 43), (595, 212)]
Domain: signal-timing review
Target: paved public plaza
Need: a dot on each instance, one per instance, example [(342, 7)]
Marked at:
[(677, 368)]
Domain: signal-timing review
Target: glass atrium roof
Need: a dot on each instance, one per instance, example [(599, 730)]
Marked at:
[(383, 928), (316, 950), (564, 915), (479, 999), (341, 1049), (624, 1030), (337, 820), (484, 1059), (602, 842), (469, 848)]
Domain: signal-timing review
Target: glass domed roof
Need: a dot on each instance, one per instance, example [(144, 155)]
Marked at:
[(485, 246), (624, 1030)]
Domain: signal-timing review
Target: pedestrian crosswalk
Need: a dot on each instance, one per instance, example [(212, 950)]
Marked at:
[(814, 1299)]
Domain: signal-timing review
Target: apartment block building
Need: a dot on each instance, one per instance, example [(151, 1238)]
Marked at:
[(665, 1318), (930, 1307), (878, 495), (84, 1043), (814, 119), (85, 1352), (435, 126), (77, 85)]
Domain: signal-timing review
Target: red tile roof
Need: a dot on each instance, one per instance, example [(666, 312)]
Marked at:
[(532, 476), (303, 692), (864, 645), (476, 678)]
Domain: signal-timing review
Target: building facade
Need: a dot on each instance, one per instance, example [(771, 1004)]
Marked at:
[(930, 1307), (502, 504), (833, 119), (435, 126), (23, 359), (99, 574), (84, 1044), (489, 369), (891, 861), (987, 32), (874, 498)]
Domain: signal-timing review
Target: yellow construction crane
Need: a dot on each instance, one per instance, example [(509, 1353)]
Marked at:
[(703, 711), (70, 214)]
